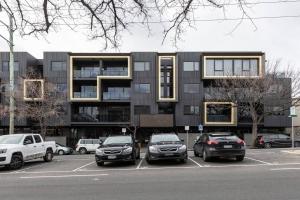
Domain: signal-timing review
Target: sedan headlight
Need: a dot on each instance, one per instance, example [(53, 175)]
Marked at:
[(182, 148), (99, 152), (153, 149), (128, 150), (3, 151)]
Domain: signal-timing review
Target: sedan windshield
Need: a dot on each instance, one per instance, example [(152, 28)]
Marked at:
[(118, 140), (164, 138), (11, 139)]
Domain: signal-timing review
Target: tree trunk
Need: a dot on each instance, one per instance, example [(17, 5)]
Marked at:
[(254, 132)]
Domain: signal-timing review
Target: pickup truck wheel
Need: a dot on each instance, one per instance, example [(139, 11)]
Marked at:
[(82, 151), (16, 162), (49, 156), (61, 152)]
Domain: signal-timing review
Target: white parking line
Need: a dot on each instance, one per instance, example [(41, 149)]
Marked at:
[(140, 163), (284, 169), (195, 162), (83, 166), (63, 176), (267, 163)]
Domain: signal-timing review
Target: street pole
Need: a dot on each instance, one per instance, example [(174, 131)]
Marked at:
[(293, 135), (11, 78)]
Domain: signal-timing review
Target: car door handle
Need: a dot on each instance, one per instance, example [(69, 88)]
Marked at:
[(34, 146)]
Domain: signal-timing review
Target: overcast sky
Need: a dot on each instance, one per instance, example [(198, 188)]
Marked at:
[(278, 38)]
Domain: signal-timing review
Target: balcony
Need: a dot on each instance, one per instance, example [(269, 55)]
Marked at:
[(114, 72), (116, 96), (104, 118), (87, 73), (84, 95)]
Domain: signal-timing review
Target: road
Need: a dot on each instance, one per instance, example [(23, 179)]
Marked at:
[(264, 175)]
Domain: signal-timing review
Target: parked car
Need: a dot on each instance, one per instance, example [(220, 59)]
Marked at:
[(85, 146), (18, 148), (274, 140), (117, 148), (63, 150), (211, 145), (166, 146)]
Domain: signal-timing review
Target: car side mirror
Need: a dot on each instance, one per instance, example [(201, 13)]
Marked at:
[(136, 141), (146, 141), (26, 142), (100, 142), (195, 141), (181, 139)]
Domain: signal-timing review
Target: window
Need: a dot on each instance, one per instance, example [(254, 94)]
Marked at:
[(58, 66), (232, 67), (29, 138), (142, 88), (37, 139), (190, 66), (218, 112), (141, 109), (5, 66), (191, 110), (141, 66), (191, 88)]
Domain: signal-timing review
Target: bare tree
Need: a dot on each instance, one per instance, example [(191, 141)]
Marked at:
[(44, 103), (107, 19), (257, 97)]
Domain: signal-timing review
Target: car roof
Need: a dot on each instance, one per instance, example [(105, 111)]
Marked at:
[(164, 134), (220, 134)]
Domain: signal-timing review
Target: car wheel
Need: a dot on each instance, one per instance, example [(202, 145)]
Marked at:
[(82, 151), (149, 161), (101, 163), (61, 152), (49, 156), (196, 154), (240, 158), (268, 145), (204, 156), (138, 156), (16, 162), (183, 160)]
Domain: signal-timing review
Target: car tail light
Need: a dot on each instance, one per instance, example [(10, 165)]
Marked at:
[(241, 142), (261, 140), (212, 142)]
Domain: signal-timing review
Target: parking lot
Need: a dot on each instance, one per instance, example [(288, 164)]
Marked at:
[(72, 164)]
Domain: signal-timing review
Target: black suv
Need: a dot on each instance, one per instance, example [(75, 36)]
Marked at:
[(274, 140), (117, 148), (166, 147), (211, 145)]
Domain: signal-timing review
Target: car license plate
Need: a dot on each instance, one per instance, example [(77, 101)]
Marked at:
[(227, 146), (168, 154), (111, 157)]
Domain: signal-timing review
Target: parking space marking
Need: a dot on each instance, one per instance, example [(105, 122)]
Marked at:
[(30, 167), (267, 163), (83, 166), (63, 176), (140, 163), (285, 169), (195, 162)]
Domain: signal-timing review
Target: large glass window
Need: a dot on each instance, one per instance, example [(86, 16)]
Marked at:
[(58, 66), (190, 66), (142, 88), (141, 66), (218, 112), (191, 110), (232, 67), (191, 88), (5, 66)]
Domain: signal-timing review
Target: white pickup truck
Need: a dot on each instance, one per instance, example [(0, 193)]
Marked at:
[(17, 148)]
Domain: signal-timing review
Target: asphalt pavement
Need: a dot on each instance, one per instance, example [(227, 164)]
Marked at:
[(265, 174)]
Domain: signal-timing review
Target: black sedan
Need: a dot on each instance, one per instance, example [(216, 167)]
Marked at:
[(270, 140), (116, 149), (212, 145), (166, 146)]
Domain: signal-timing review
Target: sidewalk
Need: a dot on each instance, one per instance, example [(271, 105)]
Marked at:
[(295, 152)]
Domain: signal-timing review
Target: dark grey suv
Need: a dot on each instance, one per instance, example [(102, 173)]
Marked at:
[(166, 147)]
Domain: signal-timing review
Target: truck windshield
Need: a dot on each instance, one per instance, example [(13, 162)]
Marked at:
[(10, 139)]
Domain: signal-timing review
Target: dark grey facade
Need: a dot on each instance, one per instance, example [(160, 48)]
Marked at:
[(105, 92)]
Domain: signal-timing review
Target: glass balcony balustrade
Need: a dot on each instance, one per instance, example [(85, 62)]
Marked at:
[(115, 95), (105, 118), (87, 73), (85, 95)]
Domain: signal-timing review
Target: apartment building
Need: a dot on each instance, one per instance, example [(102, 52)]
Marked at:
[(146, 91)]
